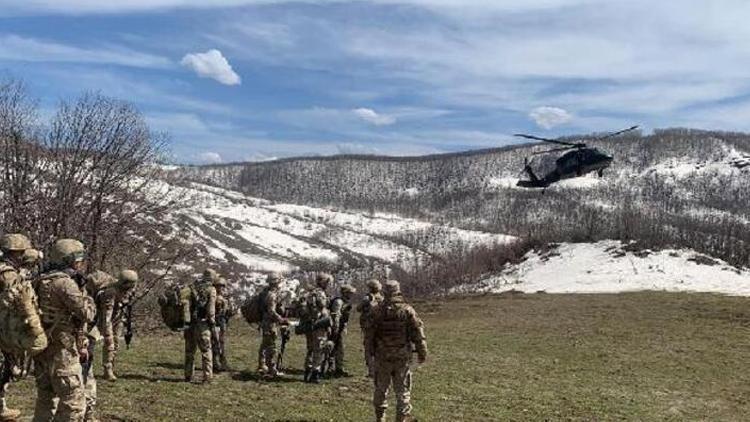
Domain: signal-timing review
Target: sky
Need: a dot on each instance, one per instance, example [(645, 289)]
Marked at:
[(247, 80)]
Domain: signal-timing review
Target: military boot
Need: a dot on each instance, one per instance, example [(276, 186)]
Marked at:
[(109, 373), (91, 415), (308, 371), (6, 414), (315, 377)]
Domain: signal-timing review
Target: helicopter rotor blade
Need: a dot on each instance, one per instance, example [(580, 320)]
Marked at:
[(619, 132), (553, 141), (555, 150)]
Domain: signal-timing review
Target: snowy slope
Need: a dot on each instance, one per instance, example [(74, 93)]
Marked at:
[(263, 236), (608, 267)]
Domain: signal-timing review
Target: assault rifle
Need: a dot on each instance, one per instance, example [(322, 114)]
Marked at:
[(128, 314), (286, 334), (217, 338), (337, 337)]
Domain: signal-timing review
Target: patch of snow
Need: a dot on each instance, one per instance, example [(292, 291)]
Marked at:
[(604, 267)]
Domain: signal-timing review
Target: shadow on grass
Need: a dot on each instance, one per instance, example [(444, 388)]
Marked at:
[(168, 365), (140, 377), (246, 376)]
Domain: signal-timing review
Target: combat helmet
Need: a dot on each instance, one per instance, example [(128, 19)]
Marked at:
[(348, 289), (210, 276), (220, 282), (14, 242), (65, 252), (391, 288), (374, 286), (323, 280), (273, 279), (128, 279)]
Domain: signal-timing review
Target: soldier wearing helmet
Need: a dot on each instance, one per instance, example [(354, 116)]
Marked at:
[(269, 326), (219, 333), (369, 302), (396, 332), (318, 344), (201, 314), (111, 302), (21, 331), (66, 311), (341, 308)]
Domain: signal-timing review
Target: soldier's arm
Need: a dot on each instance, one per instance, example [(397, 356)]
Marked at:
[(79, 304), (362, 305), (211, 306), (416, 334), (336, 308), (106, 310), (271, 309), (8, 278)]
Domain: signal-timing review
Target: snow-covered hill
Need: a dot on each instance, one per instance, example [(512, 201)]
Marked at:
[(613, 267)]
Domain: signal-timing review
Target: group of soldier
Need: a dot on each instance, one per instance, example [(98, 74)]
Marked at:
[(66, 310), (391, 330), (63, 312)]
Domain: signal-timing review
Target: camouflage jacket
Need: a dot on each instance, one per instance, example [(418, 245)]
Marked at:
[(340, 312), (271, 315), (20, 325), (66, 308), (109, 304), (396, 330)]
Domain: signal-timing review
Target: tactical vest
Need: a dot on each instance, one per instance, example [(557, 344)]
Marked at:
[(53, 317), (201, 297)]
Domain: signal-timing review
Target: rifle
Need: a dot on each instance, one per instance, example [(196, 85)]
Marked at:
[(86, 365), (336, 338), (286, 334), (128, 324), (217, 337)]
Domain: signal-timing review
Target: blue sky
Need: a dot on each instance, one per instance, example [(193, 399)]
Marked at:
[(234, 80)]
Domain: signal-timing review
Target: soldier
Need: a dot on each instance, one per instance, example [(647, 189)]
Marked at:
[(396, 332), (365, 308), (19, 316), (318, 345), (111, 302), (66, 310), (200, 317), (219, 332), (271, 319), (341, 309)]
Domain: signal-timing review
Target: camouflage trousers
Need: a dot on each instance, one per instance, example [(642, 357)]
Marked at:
[(318, 347), (111, 346), (59, 384), (369, 360), (198, 336), (268, 350), (398, 373), (89, 387), (219, 350)]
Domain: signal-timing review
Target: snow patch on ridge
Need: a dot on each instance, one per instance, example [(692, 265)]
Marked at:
[(607, 267)]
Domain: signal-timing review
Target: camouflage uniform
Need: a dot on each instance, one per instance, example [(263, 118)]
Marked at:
[(200, 317), (341, 309), (21, 330), (269, 327), (396, 332), (365, 309), (66, 310), (219, 336), (318, 345), (111, 301)]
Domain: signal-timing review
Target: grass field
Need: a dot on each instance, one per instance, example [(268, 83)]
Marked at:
[(639, 356)]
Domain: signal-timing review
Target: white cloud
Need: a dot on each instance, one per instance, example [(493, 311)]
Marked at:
[(212, 64), (356, 149), (549, 117), (370, 116), (209, 158), (14, 47)]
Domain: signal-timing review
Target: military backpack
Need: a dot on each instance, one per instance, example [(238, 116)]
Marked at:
[(252, 309), (172, 304)]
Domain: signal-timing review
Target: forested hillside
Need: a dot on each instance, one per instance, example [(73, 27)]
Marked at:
[(676, 187)]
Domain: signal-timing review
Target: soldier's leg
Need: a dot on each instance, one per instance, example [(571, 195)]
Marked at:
[(339, 356), (44, 408), (204, 343), (6, 414), (72, 399), (190, 347), (382, 382), (368, 354), (223, 355), (269, 349), (402, 387), (90, 393)]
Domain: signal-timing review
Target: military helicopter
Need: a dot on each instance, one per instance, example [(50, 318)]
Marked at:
[(580, 160)]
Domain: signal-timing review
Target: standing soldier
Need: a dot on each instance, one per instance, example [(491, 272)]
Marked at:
[(269, 327), (66, 310), (219, 332), (396, 332), (111, 302), (318, 345), (200, 317), (371, 300), (20, 328), (341, 308)]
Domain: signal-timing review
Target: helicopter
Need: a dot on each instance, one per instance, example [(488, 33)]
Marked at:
[(578, 161)]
